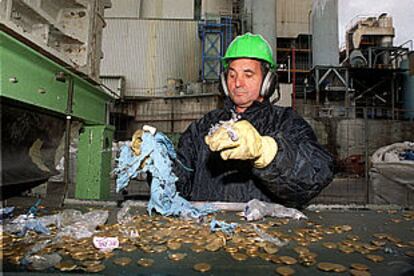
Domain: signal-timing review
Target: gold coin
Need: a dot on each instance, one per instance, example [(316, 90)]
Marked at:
[(173, 245), (95, 268), (301, 250), (324, 266), (232, 249), (129, 248), (202, 267), (177, 256), (285, 270), (160, 248), (66, 266), (239, 256), (197, 248), (275, 259), (409, 253), (288, 260), (358, 266), (265, 256), (339, 268), (346, 249), (378, 242), (330, 245), (88, 263), (123, 261), (270, 248), (145, 262), (213, 246), (375, 258), (355, 272)]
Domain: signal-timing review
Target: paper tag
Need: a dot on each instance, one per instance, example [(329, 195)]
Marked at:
[(106, 243)]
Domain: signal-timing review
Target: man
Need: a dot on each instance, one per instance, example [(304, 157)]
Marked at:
[(270, 153)]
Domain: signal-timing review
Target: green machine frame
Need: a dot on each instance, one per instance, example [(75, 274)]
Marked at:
[(34, 79)]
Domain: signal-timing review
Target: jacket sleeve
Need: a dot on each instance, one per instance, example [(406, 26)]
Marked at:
[(301, 167)]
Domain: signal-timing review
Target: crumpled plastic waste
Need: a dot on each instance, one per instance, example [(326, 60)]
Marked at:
[(42, 262), (256, 209), (69, 223), (266, 237), (77, 225), (227, 228), (155, 158), (6, 212), (34, 225), (33, 210), (23, 223)]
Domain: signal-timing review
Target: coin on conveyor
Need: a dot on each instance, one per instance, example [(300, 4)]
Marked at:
[(123, 261), (144, 262), (329, 245), (324, 266), (88, 263), (177, 256), (129, 248), (270, 248), (173, 245), (375, 258), (288, 260), (301, 250), (197, 248), (213, 246), (359, 266), (95, 268), (232, 249), (66, 266), (285, 270), (202, 267), (239, 256), (409, 253), (339, 268), (355, 272), (160, 248)]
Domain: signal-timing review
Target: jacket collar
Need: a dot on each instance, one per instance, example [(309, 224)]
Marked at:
[(229, 106)]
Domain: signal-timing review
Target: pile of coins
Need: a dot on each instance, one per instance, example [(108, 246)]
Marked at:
[(158, 234)]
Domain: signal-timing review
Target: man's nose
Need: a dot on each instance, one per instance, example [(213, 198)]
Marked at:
[(239, 81)]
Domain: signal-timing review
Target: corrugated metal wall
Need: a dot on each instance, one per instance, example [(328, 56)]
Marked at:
[(148, 52), (293, 17)]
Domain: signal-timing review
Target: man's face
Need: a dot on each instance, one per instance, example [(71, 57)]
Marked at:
[(244, 81)]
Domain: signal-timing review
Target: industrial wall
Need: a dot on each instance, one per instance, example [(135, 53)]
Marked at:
[(293, 17), (149, 52), (169, 115), (154, 9), (211, 8)]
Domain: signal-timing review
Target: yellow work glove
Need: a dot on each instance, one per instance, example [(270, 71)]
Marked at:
[(240, 140)]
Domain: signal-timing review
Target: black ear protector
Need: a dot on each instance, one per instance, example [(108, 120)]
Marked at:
[(270, 85)]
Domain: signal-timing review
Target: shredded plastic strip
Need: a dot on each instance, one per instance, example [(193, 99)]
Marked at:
[(227, 228), (156, 156)]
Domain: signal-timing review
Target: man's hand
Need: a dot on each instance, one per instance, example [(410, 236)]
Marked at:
[(242, 141)]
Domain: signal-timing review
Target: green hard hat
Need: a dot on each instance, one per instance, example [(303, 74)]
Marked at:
[(249, 46)]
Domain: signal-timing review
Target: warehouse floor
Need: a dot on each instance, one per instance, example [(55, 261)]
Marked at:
[(383, 232)]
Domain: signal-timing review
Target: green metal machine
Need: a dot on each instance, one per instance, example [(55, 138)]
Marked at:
[(40, 100)]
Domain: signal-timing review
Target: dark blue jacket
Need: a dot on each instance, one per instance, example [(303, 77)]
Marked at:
[(300, 170)]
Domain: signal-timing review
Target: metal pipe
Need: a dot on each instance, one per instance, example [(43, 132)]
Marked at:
[(69, 105), (288, 69)]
